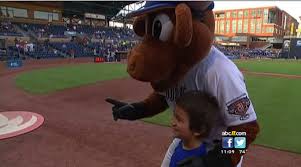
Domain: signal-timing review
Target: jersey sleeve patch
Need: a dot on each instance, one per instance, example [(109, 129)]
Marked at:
[(239, 106)]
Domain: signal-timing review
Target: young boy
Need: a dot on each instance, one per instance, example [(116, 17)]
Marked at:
[(192, 121)]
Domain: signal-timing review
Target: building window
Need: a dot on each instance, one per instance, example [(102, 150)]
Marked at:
[(228, 14), (20, 12), (3, 11), (10, 12), (253, 12), (246, 13), (233, 26), (46, 15), (240, 14), (265, 15), (227, 26), (246, 25), (269, 30), (259, 12), (258, 26), (41, 15), (221, 26), (252, 27), (272, 17), (234, 14), (220, 15), (55, 16), (239, 39), (239, 26), (215, 26), (13, 12)]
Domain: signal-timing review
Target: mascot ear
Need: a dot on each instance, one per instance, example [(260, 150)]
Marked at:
[(139, 26), (183, 29)]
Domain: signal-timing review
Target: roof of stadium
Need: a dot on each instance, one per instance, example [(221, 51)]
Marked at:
[(108, 8)]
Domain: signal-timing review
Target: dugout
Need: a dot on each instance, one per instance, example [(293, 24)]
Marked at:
[(121, 55), (291, 48)]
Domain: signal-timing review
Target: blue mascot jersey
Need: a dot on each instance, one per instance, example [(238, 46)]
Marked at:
[(181, 154)]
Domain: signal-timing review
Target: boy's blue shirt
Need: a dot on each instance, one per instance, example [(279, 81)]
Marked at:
[(181, 154)]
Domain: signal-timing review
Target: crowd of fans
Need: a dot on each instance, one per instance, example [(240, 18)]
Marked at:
[(88, 41), (243, 52), (7, 29), (107, 41)]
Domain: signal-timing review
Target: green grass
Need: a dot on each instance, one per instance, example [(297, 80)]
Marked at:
[(163, 118), (292, 67), (277, 104), (59, 78)]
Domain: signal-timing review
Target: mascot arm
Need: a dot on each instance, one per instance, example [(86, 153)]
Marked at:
[(154, 104)]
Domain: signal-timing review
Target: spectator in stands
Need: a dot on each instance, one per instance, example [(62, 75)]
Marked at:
[(94, 51), (55, 51), (16, 41), (72, 53)]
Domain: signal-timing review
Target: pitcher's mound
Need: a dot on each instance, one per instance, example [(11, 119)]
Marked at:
[(14, 123)]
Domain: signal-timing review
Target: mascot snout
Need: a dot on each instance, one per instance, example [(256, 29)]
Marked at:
[(151, 55)]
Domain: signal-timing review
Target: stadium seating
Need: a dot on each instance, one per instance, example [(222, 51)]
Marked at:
[(7, 29), (239, 52)]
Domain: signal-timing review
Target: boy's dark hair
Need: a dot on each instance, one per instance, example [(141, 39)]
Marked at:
[(202, 110)]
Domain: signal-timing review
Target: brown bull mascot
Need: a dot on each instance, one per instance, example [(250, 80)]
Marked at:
[(175, 56)]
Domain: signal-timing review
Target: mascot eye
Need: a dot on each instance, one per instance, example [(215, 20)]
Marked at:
[(162, 27)]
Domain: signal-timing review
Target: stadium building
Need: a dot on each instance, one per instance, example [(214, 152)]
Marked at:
[(41, 30), (262, 27)]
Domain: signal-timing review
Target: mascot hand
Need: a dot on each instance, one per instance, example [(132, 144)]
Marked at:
[(191, 162), (127, 111), (216, 158)]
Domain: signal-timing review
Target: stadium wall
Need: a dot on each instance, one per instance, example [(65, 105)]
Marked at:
[(31, 7)]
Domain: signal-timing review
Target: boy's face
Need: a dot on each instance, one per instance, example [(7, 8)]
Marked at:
[(180, 124)]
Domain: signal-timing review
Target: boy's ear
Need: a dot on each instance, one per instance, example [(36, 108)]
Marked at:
[(139, 26), (183, 29)]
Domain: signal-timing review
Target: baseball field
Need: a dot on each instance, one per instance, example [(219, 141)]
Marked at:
[(274, 87), (276, 100)]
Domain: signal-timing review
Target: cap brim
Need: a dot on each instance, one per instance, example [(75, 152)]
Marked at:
[(145, 10)]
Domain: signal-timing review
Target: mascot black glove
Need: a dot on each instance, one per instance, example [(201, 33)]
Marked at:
[(191, 162), (127, 111), (214, 158)]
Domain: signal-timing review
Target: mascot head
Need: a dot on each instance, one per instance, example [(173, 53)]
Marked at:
[(175, 36)]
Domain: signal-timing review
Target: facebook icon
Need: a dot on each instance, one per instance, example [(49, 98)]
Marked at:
[(227, 142)]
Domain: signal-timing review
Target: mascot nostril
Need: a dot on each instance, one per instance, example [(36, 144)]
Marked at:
[(176, 56)]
